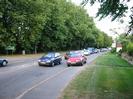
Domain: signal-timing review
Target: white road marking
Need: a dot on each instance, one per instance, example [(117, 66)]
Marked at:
[(38, 84)]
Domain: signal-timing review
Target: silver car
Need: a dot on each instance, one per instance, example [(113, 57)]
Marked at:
[(3, 62)]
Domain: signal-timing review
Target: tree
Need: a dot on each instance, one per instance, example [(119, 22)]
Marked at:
[(46, 25), (115, 8), (21, 22), (127, 43)]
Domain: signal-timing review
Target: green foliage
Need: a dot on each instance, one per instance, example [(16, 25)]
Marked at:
[(130, 48), (47, 25), (116, 9), (21, 22), (127, 43), (113, 50)]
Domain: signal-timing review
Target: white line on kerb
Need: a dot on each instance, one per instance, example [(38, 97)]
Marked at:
[(38, 84)]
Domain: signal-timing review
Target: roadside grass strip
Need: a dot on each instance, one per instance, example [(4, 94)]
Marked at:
[(108, 77)]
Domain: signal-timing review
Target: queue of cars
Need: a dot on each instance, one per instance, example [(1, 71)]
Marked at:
[(71, 57), (79, 57), (52, 59)]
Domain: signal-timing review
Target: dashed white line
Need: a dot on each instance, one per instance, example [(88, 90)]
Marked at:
[(38, 84)]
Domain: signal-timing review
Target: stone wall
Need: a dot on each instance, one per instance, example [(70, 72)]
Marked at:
[(127, 58)]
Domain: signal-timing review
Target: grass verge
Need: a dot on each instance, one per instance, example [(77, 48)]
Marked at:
[(108, 77)]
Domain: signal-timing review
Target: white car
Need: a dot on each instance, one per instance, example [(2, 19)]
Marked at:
[(86, 52)]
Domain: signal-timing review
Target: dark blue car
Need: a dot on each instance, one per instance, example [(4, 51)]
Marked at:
[(51, 59), (3, 62)]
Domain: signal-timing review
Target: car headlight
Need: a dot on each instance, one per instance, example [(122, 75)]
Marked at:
[(39, 60)]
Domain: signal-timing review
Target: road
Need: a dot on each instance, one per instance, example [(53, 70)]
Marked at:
[(24, 79)]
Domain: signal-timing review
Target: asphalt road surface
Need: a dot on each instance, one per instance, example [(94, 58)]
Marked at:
[(24, 79)]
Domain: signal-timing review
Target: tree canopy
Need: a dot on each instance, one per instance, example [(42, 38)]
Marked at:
[(47, 25), (115, 8)]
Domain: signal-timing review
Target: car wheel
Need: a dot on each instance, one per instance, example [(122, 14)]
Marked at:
[(4, 63), (52, 64), (81, 63), (59, 62), (39, 64), (68, 65)]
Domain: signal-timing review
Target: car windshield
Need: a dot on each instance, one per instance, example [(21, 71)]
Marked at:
[(85, 51), (49, 55), (90, 48), (68, 53), (75, 55)]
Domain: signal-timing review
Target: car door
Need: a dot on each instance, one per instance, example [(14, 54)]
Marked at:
[(58, 58)]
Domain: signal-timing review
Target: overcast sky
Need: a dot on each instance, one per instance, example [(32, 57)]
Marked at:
[(105, 24)]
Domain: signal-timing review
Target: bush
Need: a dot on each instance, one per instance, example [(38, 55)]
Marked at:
[(120, 52), (113, 50), (130, 48)]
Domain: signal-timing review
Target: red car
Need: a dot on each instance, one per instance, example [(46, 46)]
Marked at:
[(76, 59)]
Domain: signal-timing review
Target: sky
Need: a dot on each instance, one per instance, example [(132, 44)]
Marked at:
[(105, 24)]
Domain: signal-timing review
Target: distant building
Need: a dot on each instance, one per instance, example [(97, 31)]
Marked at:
[(118, 47), (113, 45)]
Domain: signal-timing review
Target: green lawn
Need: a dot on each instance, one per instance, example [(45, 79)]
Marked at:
[(109, 77)]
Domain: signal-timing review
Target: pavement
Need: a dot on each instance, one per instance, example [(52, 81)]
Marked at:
[(23, 79)]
